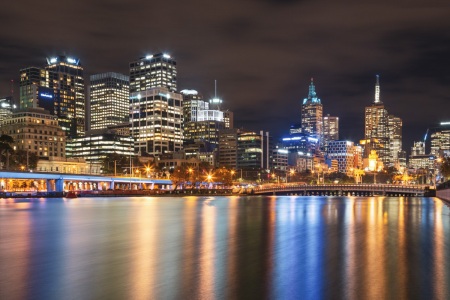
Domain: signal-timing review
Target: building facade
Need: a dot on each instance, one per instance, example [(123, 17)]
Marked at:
[(312, 114), (158, 70), (35, 131), (156, 117), (376, 127), (109, 100), (330, 129)]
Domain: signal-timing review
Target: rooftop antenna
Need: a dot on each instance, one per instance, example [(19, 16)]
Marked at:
[(216, 101)]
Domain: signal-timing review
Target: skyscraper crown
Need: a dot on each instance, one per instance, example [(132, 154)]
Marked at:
[(312, 96)]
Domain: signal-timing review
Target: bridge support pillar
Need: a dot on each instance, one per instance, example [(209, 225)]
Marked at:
[(59, 185), (49, 185)]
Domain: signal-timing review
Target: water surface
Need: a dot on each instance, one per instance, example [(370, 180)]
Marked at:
[(276, 247)]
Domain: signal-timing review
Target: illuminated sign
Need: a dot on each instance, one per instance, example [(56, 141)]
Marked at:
[(445, 123), (166, 55), (46, 95), (53, 60), (149, 56)]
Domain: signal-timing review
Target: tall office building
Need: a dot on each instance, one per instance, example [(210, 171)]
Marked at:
[(376, 127), (253, 150), (228, 148), (156, 121), (34, 89), (418, 149), (330, 129), (440, 140), (67, 82), (395, 139), (158, 70), (58, 88), (201, 121), (109, 100), (312, 113)]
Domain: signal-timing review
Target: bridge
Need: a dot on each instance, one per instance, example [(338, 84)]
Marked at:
[(340, 190), (57, 183)]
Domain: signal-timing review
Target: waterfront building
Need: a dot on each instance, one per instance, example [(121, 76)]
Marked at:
[(228, 148), (299, 144), (97, 144), (203, 120), (35, 131), (109, 100), (312, 113), (279, 159), (156, 118), (253, 150), (376, 127), (330, 129), (151, 71), (56, 164), (347, 156)]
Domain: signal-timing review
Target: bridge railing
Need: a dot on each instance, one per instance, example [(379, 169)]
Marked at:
[(361, 187)]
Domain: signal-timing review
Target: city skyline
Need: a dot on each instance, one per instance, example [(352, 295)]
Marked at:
[(258, 62)]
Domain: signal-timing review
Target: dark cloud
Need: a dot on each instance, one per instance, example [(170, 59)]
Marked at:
[(263, 53)]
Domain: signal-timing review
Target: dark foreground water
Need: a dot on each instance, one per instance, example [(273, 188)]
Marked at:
[(225, 248)]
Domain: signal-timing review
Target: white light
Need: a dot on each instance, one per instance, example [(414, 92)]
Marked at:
[(166, 55), (149, 56), (168, 96), (139, 96), (189, 92), (445, 123), (215, 100), (71, 60), (53, 60)]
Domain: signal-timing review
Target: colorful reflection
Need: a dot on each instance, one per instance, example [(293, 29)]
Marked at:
[(225, 247)]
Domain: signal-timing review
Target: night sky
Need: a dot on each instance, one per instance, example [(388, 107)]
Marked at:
[(262, 53)]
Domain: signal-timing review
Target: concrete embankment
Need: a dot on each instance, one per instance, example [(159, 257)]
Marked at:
[(443, 191)]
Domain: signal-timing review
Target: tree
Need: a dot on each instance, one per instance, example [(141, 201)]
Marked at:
[(117, 163), (445, 167), (5, 148), (23, 158)]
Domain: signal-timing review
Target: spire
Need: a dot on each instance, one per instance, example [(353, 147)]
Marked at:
[(312, 95), (377, 90)]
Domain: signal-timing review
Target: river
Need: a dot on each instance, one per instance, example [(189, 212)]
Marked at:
[(237, 247)]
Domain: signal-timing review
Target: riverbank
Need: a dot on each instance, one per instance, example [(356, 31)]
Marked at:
[(118, 193), (443, 191)]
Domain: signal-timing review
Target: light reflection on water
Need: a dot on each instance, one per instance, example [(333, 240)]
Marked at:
[(225, 247)]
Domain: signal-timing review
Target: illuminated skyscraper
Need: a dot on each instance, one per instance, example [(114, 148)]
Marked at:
[(312, 113), (156, 121), (376, 127), (59, 89), (34, 81), (395, 139), (109, 100), (158, 70), (440, 140), (330, 129), (67, 82)]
